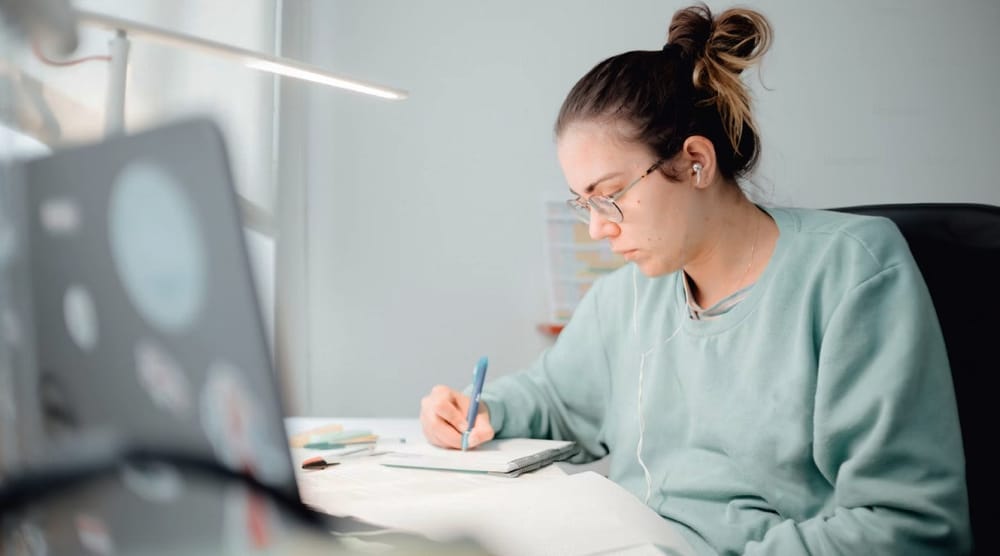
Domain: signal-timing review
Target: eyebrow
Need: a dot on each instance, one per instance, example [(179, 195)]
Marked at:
[(590, 188)]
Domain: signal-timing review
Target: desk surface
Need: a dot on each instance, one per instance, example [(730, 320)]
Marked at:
[(409, 428), (359, 486), (543, 512)]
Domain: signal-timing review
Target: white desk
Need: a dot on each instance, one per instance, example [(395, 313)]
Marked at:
[(410, 430), (544, 512), (359, 486)]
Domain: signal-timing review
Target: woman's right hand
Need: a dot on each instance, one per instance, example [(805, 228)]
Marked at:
[(443, 415)]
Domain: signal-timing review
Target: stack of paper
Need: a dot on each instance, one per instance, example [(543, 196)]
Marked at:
[(573, 515), (509, 457)]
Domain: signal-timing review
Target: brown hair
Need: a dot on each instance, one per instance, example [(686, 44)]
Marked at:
[(690, 87)]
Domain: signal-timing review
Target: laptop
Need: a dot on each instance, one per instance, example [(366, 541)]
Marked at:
[(147, 331), (146, 315)]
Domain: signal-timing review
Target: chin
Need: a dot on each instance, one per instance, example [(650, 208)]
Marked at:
[(654, 269)]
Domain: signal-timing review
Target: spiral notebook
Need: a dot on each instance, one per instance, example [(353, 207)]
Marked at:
[(508, 457)]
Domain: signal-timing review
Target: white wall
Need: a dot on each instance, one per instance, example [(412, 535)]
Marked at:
[(165, 82), (425, 245)]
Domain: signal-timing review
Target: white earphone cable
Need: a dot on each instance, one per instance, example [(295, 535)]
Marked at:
[(642, 368)]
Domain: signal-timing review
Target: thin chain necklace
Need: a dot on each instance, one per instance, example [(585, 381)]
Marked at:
[(753, 249)]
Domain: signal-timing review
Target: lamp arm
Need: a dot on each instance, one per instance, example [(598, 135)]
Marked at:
[(257, 60)]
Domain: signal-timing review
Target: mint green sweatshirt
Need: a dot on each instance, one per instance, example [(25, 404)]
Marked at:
[(817, 416)]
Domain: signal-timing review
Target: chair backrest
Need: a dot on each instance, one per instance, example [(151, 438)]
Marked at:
[(957, 247)]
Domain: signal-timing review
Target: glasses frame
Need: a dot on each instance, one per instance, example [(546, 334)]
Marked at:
[(607, 205)]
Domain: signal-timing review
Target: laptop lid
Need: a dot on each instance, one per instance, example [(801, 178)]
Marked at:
[(146, 315)]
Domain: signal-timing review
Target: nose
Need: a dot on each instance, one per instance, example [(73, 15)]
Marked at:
[(601, 228)]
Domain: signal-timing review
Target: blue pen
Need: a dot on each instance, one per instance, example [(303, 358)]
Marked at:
[(478, 377)]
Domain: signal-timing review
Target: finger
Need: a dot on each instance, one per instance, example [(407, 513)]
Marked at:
[(453, 409), (444, 435), (430, 422), (482, 431), (442, 404)]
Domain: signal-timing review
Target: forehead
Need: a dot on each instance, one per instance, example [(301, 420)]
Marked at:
[(589, 152)]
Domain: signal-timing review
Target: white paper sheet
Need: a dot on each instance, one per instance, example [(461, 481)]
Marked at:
[(360, 486), (555, 515)]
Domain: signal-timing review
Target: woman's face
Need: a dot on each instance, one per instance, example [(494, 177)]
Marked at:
[(660, 218)]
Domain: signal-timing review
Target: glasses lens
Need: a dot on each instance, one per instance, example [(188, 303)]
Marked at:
[(606, 208), (581, 211)]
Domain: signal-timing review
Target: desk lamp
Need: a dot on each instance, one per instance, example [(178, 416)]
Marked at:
[(119, 47)]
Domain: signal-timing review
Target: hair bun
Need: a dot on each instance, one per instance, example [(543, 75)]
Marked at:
[(690, 30), (721, 48)]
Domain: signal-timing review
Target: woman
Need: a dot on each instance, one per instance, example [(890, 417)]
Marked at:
[(773, 381)]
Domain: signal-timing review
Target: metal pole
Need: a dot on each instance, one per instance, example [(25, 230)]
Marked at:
[(114, 109)]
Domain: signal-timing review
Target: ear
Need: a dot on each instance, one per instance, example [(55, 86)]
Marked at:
[(699, 159)]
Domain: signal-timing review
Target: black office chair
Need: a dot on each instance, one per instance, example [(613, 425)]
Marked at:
[(957, 247)]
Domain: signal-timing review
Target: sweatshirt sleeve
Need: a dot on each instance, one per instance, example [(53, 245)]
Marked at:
[(886, 430), (563, 395)]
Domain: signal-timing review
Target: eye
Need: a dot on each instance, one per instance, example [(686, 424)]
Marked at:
[(612, 192)]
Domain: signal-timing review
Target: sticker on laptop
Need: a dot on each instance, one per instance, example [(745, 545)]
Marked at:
[(162, 378), (234, 425), (153, 482), (81, 317), (94, 535), (157, 246), (59, 216), (250, 521)]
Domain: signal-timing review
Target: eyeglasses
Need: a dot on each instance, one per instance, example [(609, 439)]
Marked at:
[(606, 205)]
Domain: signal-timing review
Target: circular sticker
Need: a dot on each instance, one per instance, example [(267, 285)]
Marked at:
[(250, 521), (234, 427), (154, 482), (81, 317), (157, 246), (94, 535), (162, 378), (59, 216)]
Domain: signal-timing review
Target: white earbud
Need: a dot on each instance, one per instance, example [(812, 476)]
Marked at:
[(697, 172)]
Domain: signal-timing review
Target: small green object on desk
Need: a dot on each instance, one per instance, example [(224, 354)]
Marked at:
[(332, 445)]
